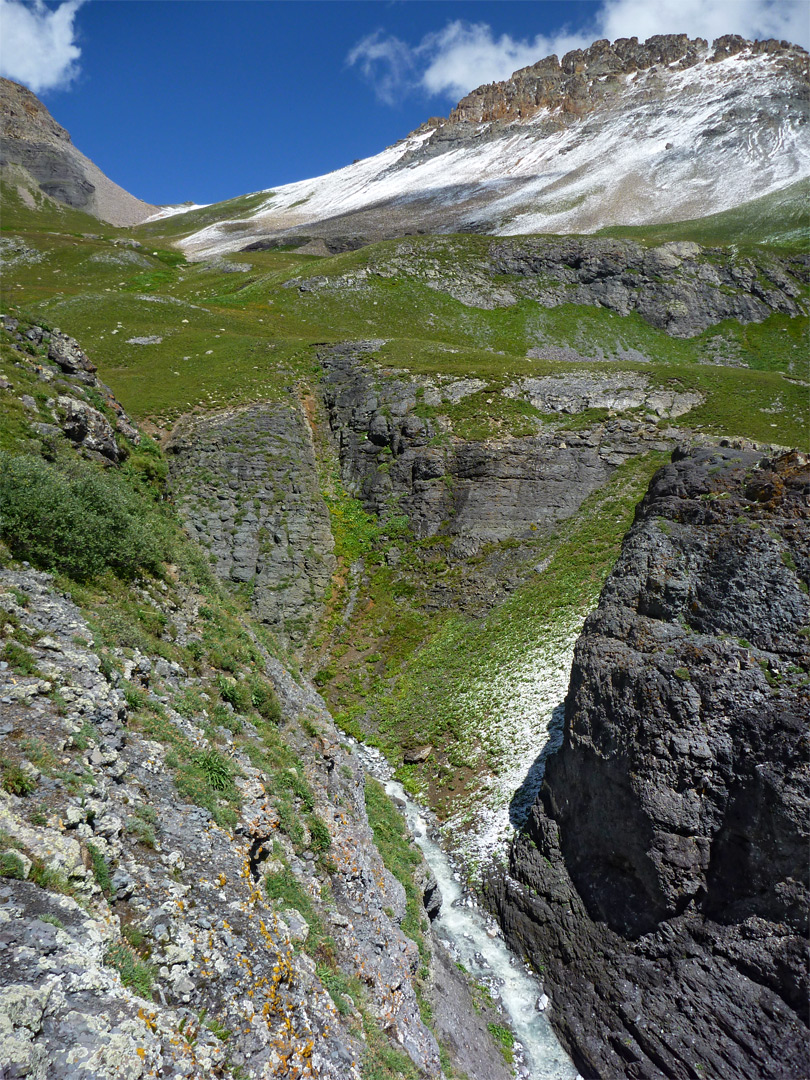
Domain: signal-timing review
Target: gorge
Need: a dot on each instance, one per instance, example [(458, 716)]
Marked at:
[(327, 549)]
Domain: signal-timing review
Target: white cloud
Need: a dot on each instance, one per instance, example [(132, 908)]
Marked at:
[(710, 19), (466, 55), (450, 62), (385, 61), (39, 48)]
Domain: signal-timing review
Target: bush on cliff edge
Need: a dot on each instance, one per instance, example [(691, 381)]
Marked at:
[(78, 521)]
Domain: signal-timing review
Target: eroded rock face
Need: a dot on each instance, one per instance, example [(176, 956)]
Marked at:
[(247, 484), (32, 139), (661, 880), (87, 427), (582, 80), (475, 491), (62, 364), (194, 891), (680, 287)]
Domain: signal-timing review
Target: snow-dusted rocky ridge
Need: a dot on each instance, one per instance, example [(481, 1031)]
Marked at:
[(616, 134)]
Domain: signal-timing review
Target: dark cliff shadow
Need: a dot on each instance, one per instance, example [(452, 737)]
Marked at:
[(523, 799)]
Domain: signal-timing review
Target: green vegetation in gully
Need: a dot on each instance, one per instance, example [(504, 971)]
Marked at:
[(417, 687)]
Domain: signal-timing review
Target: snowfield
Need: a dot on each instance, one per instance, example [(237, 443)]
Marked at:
[(671, 145)]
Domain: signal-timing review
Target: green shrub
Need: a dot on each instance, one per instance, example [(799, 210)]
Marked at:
[(321, 839), (19, 659), (15, 781), (215, 769), (78, 521), (134, 974), (101, 870), (264, 700), (505, 1040), (235, 693), (12, 866)]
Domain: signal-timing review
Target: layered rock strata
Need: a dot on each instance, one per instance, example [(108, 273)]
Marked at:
[(247, 484), (31, 138), (475, 491), (680, 287), (661, 881)]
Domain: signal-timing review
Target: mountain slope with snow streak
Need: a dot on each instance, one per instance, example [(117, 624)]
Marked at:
[(670, 141)]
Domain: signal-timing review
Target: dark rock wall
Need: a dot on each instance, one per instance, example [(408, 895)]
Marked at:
[(246, 482), (476, 492), (678, 287), (662, 879)]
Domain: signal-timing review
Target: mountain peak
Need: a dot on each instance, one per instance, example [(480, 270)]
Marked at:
[(32, 140), (584, 77), (621, 133)]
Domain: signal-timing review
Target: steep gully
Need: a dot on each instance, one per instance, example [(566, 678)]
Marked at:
[(472, 941), (542, 478)]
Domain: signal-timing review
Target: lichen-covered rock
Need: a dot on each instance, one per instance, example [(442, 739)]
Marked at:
[(105, 823), (66, 352), (662, 878), (88, 428)]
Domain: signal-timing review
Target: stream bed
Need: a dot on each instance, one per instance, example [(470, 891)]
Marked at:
[(473, 939)]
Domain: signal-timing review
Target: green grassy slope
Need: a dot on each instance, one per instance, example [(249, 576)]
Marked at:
[(398, 669), (229, 337), (781, 219)]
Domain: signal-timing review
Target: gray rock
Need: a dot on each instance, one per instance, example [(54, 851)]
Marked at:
[(65, 351), (247, 483), (88, 428), (662, 877)]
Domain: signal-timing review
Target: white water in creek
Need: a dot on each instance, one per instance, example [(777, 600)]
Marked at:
[(463, 928)]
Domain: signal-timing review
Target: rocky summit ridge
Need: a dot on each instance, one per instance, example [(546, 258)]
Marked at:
[(580, 82), (616, 134)]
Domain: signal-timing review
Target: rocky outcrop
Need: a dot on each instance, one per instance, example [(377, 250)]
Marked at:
[(399, 461), (247, 484), (60, 363), (680, 287), (580, 82), (207, 976), (661, 880), (31, 139)]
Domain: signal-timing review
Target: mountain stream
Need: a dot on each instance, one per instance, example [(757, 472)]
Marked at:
[(471, 939)]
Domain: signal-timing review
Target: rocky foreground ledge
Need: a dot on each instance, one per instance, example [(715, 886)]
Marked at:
[(661, 880)]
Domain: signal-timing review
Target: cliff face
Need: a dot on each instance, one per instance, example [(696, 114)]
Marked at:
[(679, 287), (580, 82), (661, 880), (31, 138), (248, 487)]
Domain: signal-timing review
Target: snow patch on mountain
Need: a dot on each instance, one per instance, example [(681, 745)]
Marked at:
[(670, 145)]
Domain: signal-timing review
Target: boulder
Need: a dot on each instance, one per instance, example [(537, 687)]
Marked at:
[(88, 428), (65, 352)]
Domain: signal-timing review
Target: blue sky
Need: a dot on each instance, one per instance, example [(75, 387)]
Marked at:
[(207, 99)]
